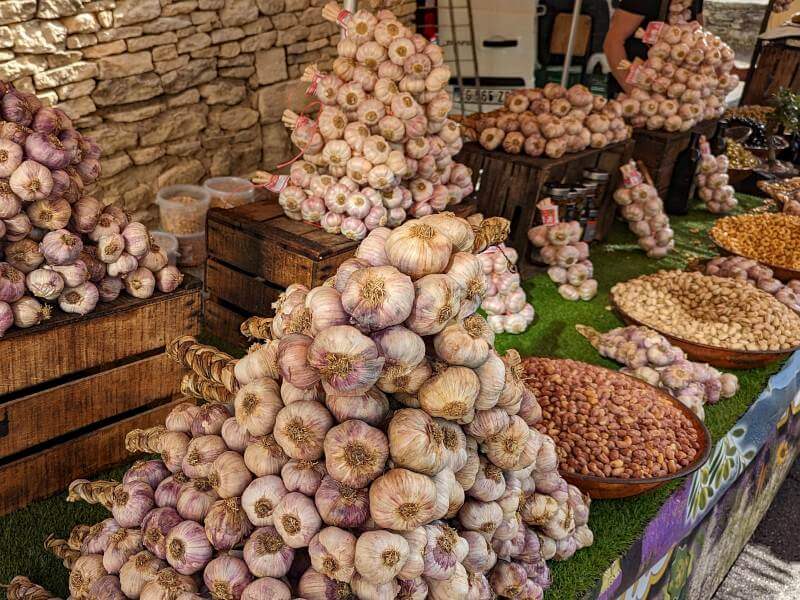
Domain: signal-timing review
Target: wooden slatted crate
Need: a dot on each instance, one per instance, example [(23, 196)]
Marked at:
[(660, 150), (255, 252), (510, 185), (777, 66), (71, 387)]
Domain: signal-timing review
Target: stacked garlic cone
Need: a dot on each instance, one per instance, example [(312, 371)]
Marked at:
[(380, 147), (377, 447), (505, 301), (59, 244), (711, 178), (684, 80)]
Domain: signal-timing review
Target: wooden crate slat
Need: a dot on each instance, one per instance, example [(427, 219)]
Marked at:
[(59, 410), (253, 295), (123, 328), (51, 470), (224, 323)]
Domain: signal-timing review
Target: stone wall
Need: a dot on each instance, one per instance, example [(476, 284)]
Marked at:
[(173, 90), (736, 22)]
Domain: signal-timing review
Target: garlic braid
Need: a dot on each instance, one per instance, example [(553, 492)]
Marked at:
[(196, 386), (22, 588), (92, 492)]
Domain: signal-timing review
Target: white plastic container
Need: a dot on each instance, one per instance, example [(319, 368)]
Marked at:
[(169, 243), (229, 192), (182, 208), (191, 249)]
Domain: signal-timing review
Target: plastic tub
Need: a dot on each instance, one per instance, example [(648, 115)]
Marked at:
[(183, 208), (228, 192), (168, 242), (191, 249)]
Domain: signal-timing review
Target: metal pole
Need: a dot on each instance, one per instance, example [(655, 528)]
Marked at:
[(573, 29), (350, 5), (460, 79), (535, 35), (474, 56)]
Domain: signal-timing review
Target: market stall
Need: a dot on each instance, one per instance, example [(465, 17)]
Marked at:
[(415, 415)]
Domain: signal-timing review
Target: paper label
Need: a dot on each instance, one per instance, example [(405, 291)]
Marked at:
[(633, 73), (312, 87), (549, 212), (705, 147), (341, 19), (630, 175), (652, 32), (276, 183)]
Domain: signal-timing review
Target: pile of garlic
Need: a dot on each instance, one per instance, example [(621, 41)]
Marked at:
[(561, 248), (644, 212), (505, 301), (756, 274), (684, 80), (58, 243), (381, 146), (712, 181), (551, 121), (374, 446), (649, 356)]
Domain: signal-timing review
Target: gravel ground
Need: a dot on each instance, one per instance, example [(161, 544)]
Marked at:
[(769, 566)]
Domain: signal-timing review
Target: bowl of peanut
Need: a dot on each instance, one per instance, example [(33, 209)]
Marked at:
[(723, 321), (772, 239), (616, 436)]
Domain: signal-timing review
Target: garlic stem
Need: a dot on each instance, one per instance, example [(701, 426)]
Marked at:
[(92, 492), (60, 549)]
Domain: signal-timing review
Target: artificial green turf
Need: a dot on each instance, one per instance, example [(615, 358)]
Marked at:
[(616, 523)]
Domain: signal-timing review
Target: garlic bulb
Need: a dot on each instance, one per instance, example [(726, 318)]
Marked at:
[(188, 549), (131, 502), (332, 552), (300, 429), (303, 476), (347, 360), (491, 374), (437, 299), (451, 394), (226, 524), (416, 441), (378, 297), (122, 544), (227, 577), (380, 555), (257, 405), (483, 517), (293, 363), (355, 453), (44, 284), (261, 497), (296, 519), (155, 527), (372, 407), (456, 586), (372, 249), (341, 505), (454, 228), (264, 456), (201, 454), (402, 500), (266, 554), (418, 249), (140, 569), (314, 585), (444, 549), (168, 583), (86, 570), (266, 587), (229, 476), (260, 362), (505, 447)]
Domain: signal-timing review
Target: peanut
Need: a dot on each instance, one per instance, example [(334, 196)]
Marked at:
[(621, 437)]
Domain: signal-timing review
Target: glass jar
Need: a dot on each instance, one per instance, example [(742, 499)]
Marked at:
[(562, 196)]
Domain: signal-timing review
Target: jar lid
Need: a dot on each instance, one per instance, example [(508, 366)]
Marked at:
[(595, 174), (554, 187)]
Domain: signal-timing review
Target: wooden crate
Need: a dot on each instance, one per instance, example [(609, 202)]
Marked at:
[(510, 185), (659, 150), (71, 387), (255, 252), (777, 66)]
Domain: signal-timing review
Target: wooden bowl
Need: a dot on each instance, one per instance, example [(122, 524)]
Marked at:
[(618, 487), (724, 358)]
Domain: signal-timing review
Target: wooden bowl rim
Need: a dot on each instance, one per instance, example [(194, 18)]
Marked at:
[(698, 345), (699, 426), (721, 246)]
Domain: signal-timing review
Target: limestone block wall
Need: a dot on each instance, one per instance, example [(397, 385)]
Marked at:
[(173, 90)]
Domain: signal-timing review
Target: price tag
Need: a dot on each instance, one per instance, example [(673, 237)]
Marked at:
[(652, 32), (634, 73), (549, 212), (276, 183), (630, 175)]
